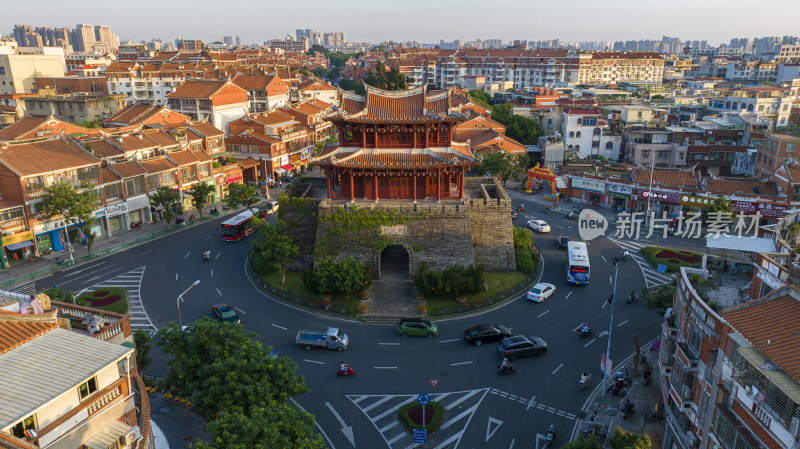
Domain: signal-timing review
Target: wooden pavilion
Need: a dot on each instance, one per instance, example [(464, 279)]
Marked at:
[(396, 145)]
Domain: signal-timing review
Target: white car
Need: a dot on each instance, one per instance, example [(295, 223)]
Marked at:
[(271, 207), (541, 291), (539, 225)]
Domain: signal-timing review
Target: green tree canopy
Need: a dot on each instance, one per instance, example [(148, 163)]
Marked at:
[(199, 193), (319, 49), (319, 72), (277, 425), (143, 345), (76, 204), (165, 197), (622, 439), (503, 164), (275, 247), (583, 443), (242, 195), (386, 79), (522, 129), (355, 86), (716, 207)]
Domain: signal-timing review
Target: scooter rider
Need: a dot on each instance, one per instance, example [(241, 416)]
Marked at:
[(571, 214), (343, 368), (506, 365), (625, 254), (584, 378), (585, 329), (207, 254)]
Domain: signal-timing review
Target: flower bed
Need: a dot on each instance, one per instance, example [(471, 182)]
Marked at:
[(411, 415), (112, 299), (672, 258)]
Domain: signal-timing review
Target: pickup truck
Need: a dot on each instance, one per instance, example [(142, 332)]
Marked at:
[(333, 338)]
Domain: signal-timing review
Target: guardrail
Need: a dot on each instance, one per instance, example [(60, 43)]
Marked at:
[(100, 253)]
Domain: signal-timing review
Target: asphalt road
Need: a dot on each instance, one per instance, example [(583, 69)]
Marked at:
[(482, 408)]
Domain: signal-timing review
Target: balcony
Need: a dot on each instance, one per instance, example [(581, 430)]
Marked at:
[(687, 357), (116, 329)]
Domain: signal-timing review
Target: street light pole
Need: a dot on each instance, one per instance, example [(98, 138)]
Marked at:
[(610, 328), (180, 298), (66, 232), (652, 174)]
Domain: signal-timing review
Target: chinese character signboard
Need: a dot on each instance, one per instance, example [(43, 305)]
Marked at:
[(767, 210), (657, 195), (589, 184), (695, 201), (619, 190)]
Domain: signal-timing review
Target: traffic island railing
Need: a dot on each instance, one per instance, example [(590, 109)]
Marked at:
[(449, 311)]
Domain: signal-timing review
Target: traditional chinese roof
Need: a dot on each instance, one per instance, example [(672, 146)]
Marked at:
[(157, 165), (669, 178), (383, 106), (350, 157), (17, 332), (205, 129), (48, 156), (742, 186)]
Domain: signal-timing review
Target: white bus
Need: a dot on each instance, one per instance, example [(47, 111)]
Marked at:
[(577, 263)]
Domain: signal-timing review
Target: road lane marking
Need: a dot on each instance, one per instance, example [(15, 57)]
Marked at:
[(389, 344), (512, 444), (587, 344), (605, 303), (461, 363), (567, 295), (314, 361), (531, 403), (218, 254), (557, 368), (577, 327), (610, 280), (620, 324), (384, 367), (451, 340), (561, 413), (604, 259), (279, 327), (142, 254), (240, 310), (559, 227), (187, 254), (81, 271), (212, 272), (543, 313), (206, 239), (219, 292), (176, 276)]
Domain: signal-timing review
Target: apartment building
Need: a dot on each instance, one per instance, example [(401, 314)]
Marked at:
[(73, 84), (218, 101), (76, 107), (265, 92), (777, 149), (19, 67), (583, 131), (30, 127), (771, 103), (151, 82)]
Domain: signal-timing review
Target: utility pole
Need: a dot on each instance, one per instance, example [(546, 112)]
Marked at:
[(610, 327)]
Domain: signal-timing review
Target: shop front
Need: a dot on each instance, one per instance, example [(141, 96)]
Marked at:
[(139, 210), (18, 247), (693, 204), (660, 202), (115, 218), (51, 235), (591, 190), (618, 196), (767, 210)]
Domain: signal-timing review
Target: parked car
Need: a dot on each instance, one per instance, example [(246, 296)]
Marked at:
[(563, 241), (417, 327), (223, 312), (271, 207), (484, 333), (541, 291), (520, 346), (539, 225)]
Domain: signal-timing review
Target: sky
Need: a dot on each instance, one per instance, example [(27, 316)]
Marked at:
[(425, 21)]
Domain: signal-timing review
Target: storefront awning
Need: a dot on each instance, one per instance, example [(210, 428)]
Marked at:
[(234, 179), (305, 161), (288, 167), (280, 171), (298, 163), (16, 246)]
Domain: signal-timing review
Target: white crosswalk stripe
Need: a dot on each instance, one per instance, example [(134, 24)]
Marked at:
[(132, 283), (381, 410), (652, 278)]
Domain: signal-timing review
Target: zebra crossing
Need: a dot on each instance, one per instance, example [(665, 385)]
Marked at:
[(652, 278), (381, 410), (132, 283), (27, 289)]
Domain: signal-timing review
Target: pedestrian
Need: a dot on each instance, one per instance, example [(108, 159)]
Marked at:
[(610, 299), (594, 416), (656, 346), (617, 388)]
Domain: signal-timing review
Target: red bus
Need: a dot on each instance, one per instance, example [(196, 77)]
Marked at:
[(240, 226)]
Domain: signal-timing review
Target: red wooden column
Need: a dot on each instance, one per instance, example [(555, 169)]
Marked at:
[(415, 138), (461, 185), (414, 179), (438, 186), (352, 188), (328, 175), (426, 136), (363, 138), (376, 187)]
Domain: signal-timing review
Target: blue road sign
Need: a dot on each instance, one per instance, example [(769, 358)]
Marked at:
[(661, 268), (423, 398), (420, 436)]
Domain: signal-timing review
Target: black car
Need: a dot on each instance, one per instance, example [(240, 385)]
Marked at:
[(563, 241), (484, 333), (223, 312), (520, 346)]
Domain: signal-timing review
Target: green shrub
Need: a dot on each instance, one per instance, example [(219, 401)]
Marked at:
[(260, 265), (453, 280), (344, 276), (58, 294), (525, 254), (438, 413)]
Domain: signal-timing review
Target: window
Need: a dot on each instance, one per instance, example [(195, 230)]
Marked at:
[(236, 148), (680, 156), (166, 177), (789, 147), (203, 169), (29, 423), (578, 134), (663, 154), (87, 388), (645, 153), (254, 148), (580, 121), (609, 145), (572, 134)]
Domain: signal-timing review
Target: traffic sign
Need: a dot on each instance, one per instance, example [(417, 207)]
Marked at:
[(423, 398), (420, 436), (434, 382), (661, 268)]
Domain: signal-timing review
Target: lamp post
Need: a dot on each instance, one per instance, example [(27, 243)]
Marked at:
[(652, 174), (180, 298), (610, 327), (66, 232)]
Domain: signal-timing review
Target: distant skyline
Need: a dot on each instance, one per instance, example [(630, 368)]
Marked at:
[(425, 21)]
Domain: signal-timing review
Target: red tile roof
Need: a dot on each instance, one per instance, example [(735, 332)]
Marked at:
[(674, 178), (103, 148), (127, 169), (182, 157), (107, 175), (157, 165), (206, 129), (746, 186), (572, 111), (384, 105), (48, 156), (771, 326), (16, 333), (197, 89)]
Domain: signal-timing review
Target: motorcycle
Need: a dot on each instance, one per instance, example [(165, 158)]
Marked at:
[(625, 255), (215, 211), (547, 210), (514, 215), (206, 256), (572, 215), (549, 436), (583, 384), (632, 299), (508, 369), (136, 225), (521, 208), (348, 371), (628, 409), (589, 333)]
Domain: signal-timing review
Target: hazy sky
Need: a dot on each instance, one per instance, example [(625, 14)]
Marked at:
[(421, 20)]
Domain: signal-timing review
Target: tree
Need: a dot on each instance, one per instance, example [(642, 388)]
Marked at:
[(143, 345), (332, 73), (277, 425), (275, 247), (622, 439), (199, 193), (504, 165), (75, 204), (387, 80), (583, 443), (165, 197), (221, 366), (480, 97), (319, 49), (319, 72), (355, 86), (242, 195), (716, 207)]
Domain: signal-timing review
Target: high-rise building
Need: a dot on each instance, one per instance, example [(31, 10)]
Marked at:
[(83, 38), (238, 41)]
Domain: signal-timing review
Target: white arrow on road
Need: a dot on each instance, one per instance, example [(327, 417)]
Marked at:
[(603, 334), (539, 437), (489, 430), (346, 430)]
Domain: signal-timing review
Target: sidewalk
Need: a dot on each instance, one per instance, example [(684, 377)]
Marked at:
[(178, 426), (517, 192), (27, 268), (647, 418)]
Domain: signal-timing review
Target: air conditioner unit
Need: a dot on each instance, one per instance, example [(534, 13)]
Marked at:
[(794, 427), (129, 438)]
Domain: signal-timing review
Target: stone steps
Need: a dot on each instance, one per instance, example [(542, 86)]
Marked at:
[(390, 299)]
